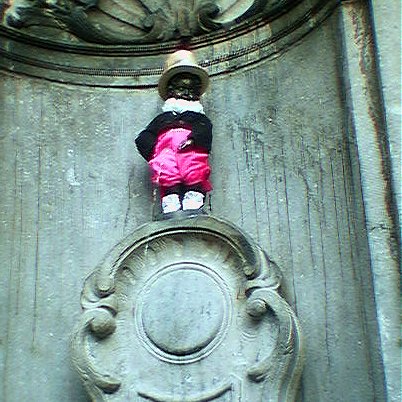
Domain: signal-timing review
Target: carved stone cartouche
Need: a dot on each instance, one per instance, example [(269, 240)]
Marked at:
[(117, 23), (187, 310)]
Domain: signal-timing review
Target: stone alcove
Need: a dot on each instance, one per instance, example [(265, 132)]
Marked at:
[(303, 109)]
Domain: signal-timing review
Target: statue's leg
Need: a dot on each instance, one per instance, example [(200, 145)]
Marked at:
[(195, 170), (166, 175)]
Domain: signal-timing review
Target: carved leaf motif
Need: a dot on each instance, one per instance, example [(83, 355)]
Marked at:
[(118, 22)]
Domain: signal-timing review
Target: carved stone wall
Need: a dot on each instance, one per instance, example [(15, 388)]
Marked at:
[(112, 43), (299, 163)]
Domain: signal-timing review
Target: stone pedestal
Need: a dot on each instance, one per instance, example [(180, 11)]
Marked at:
[(187, 310)]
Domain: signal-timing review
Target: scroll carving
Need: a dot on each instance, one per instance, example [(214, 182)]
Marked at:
[(98, 322), (116, 43), (116, 22), (187, 310)]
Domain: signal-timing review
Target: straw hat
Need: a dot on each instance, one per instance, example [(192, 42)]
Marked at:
[(182, 61)]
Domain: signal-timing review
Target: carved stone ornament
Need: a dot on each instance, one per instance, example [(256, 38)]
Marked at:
[(119, 22), (187, 310), (121, 43)]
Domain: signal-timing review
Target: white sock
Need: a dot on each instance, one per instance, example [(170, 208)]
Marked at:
[(193, 200), (170, 203)]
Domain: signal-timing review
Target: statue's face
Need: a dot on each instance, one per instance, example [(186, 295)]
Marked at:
[(184, 86)]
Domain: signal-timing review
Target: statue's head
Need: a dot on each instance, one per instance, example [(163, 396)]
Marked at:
[(182, 77), (185, 86)]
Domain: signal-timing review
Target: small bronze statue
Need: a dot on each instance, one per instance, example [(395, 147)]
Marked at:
[(177, 142)]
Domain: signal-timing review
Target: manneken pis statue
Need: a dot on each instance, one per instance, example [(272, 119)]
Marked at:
[(176, 143)]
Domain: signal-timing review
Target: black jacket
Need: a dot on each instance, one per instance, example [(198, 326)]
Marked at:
[(198, 123)]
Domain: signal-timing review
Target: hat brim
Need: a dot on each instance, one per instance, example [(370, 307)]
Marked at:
[(185, 68)]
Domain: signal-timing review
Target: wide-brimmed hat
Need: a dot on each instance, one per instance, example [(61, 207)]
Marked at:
[(182, 61)]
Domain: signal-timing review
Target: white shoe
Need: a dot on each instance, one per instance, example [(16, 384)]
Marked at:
[(170, 203), (193, 200)]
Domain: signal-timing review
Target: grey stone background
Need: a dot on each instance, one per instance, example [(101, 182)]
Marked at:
[(288, 165)]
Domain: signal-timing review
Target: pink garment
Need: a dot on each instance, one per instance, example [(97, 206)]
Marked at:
[(171, 166)]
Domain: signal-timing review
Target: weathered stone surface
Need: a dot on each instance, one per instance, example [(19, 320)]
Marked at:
[(194, 315), (374, 132), (285, 169), (122, 23), (386, 27), (239, 37)]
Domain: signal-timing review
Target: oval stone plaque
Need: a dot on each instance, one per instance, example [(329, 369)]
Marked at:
[(183, 312)]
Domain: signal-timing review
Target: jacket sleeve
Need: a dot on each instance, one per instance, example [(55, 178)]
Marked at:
[(147, 138), (201, 128)]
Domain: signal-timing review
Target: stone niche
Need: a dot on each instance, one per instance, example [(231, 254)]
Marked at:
[(301, 162), (187, 310)]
